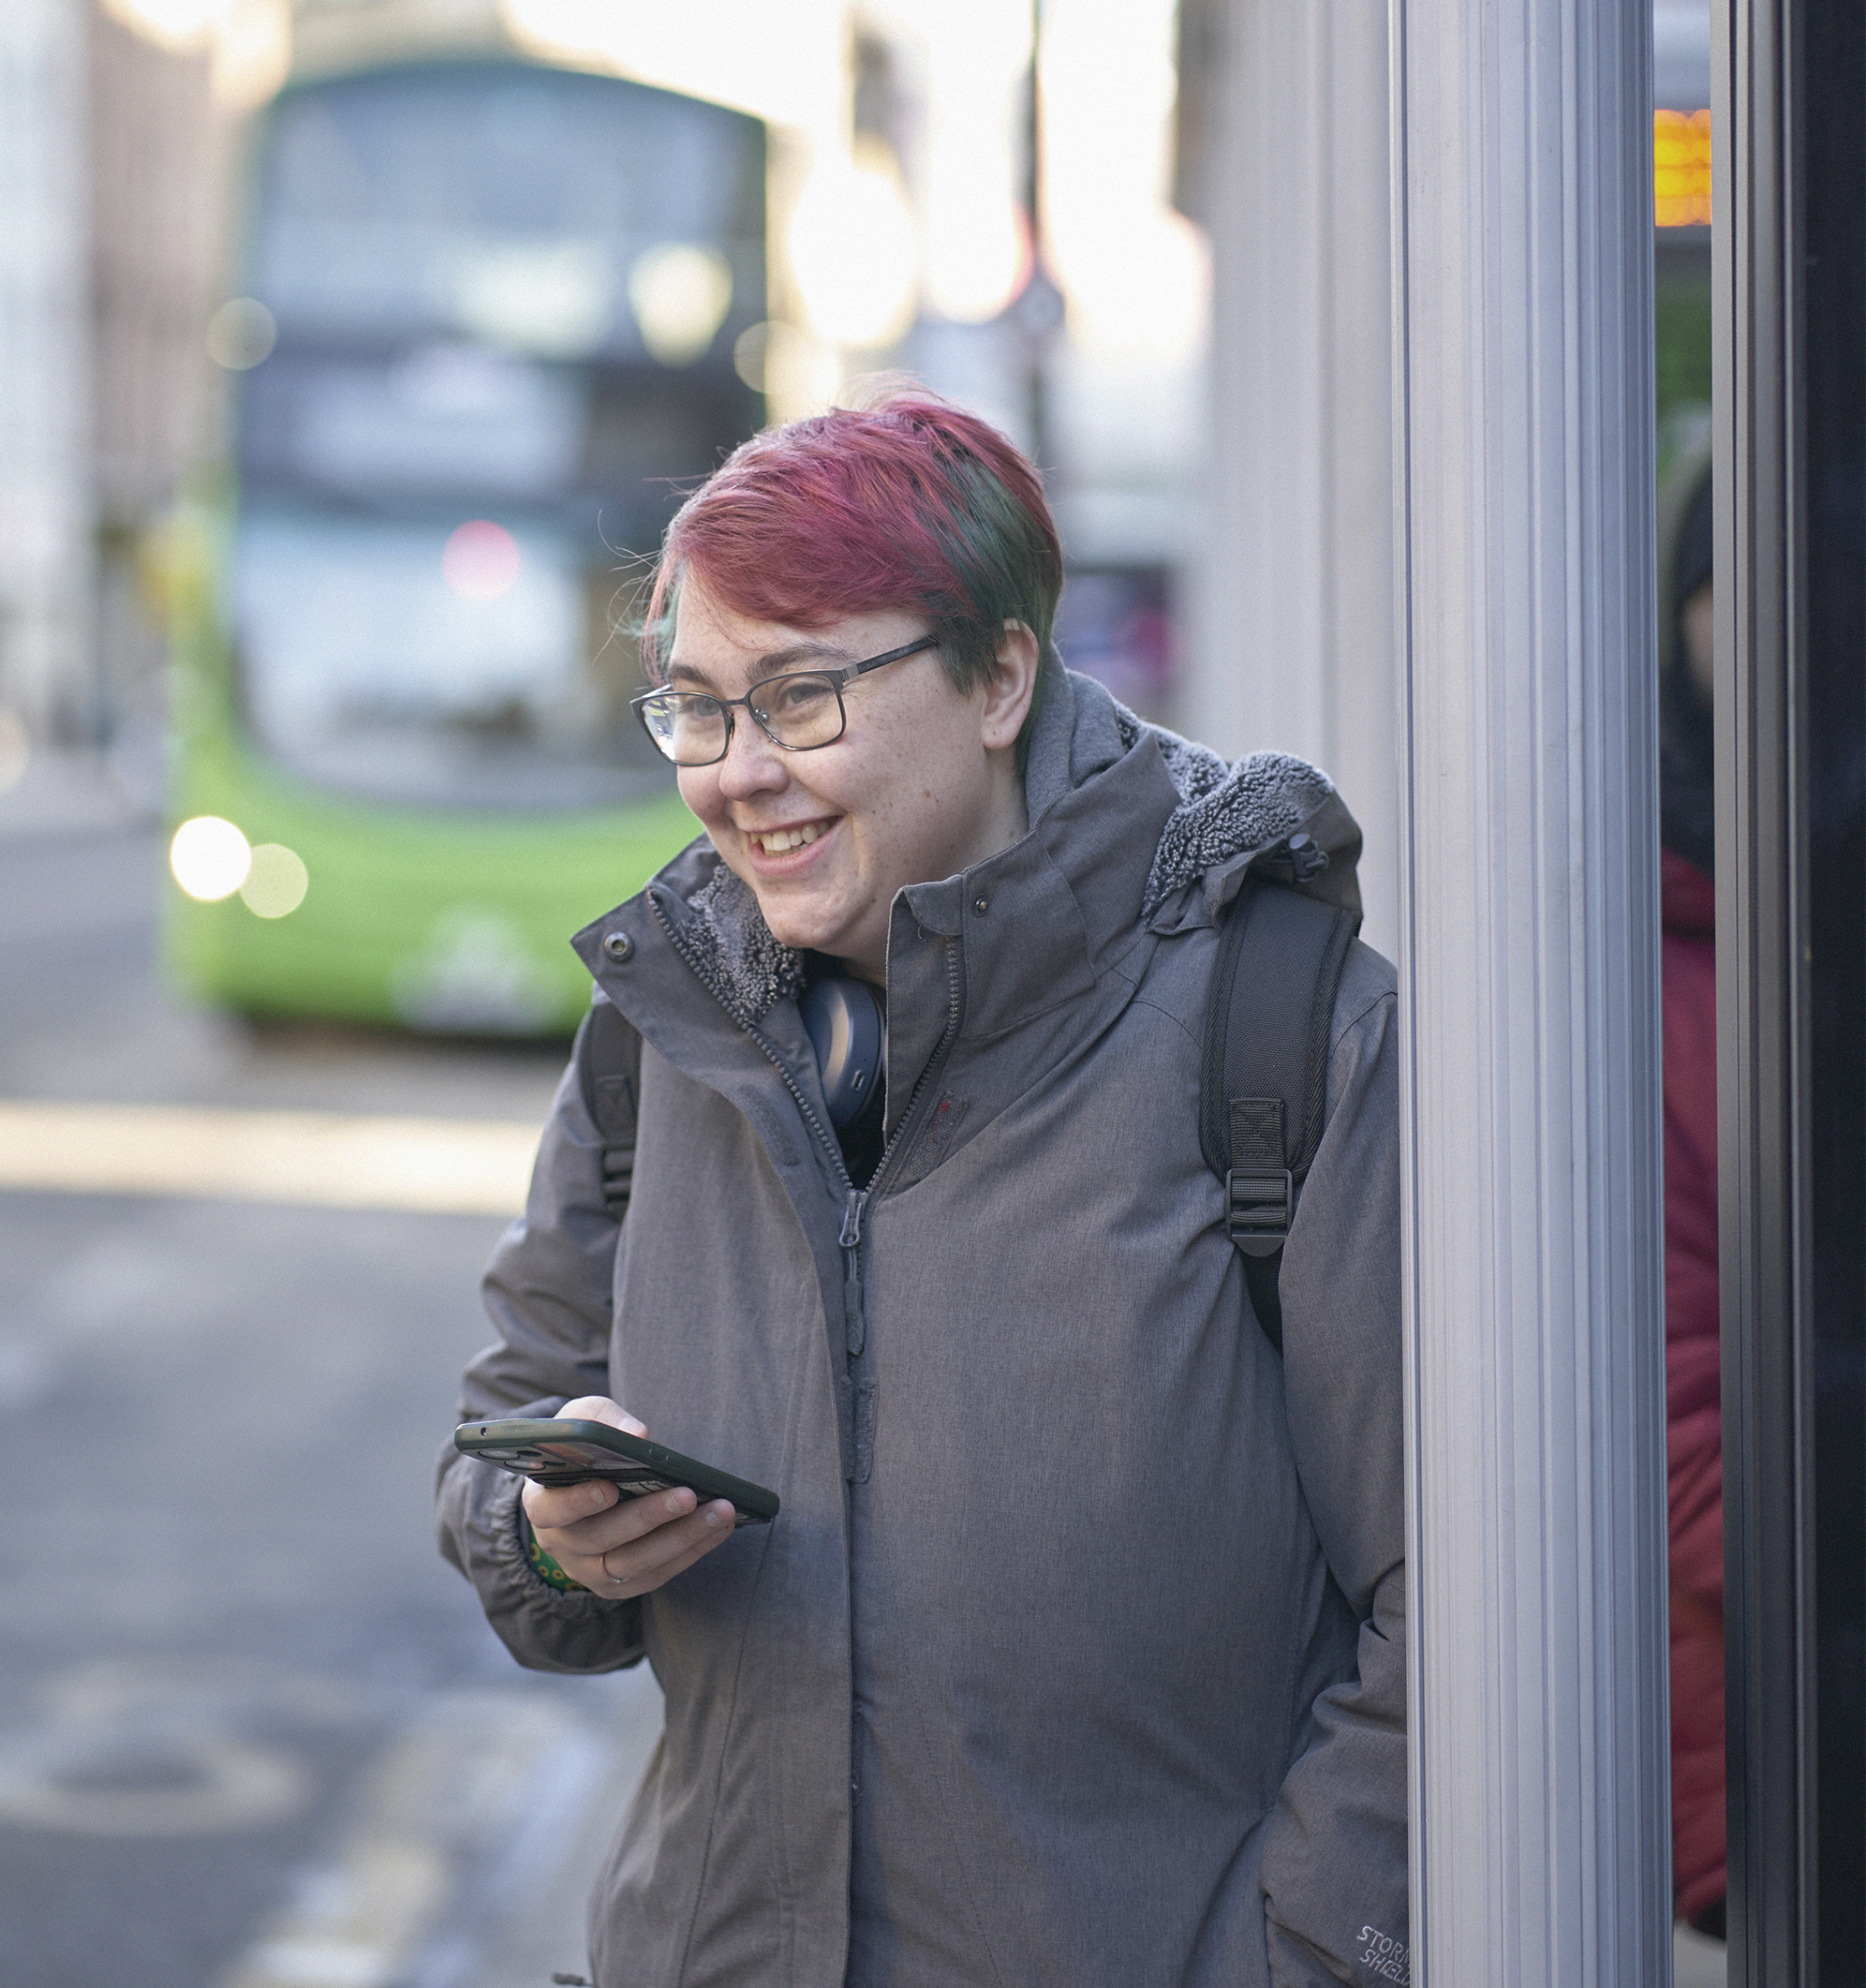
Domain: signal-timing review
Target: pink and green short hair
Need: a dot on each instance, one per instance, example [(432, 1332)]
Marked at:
[(911, 504)]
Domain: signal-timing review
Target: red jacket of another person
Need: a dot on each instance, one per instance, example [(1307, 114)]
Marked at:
[(1694, 1435)]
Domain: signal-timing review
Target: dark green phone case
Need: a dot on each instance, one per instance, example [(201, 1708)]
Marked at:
[(563, 1451)]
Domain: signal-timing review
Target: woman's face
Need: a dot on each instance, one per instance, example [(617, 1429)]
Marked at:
[(922, 784)]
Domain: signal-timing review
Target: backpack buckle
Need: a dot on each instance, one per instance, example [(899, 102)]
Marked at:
[(1258, 1201)]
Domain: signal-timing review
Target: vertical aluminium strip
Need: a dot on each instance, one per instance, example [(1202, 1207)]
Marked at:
[(1762, 937)]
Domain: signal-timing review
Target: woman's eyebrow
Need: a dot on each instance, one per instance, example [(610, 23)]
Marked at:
[(771, 664), (821, 652)]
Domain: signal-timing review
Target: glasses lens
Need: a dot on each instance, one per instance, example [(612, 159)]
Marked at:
[(798, 711), (690, 730)]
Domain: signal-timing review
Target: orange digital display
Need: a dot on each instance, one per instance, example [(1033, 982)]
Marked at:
[(1681, 168)]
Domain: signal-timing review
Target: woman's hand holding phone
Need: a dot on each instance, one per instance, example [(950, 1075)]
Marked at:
[(621, 1546)]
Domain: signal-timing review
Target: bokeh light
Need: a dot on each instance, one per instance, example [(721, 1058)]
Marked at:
[(969, 153), (241, 334), (795, 368), (556, 299), (680, 294), (170, 24), (209, 857), (248, 42), (782, 61), (277, 882), (252, 51), (481, 561), (855, 252), (1136, 272)]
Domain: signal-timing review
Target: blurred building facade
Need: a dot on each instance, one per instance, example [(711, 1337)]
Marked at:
[(114, 150), (45, 389), (935, 205), (159, 148)]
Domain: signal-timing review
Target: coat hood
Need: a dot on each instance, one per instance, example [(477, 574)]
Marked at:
[(1233, 817), (1268, 813)]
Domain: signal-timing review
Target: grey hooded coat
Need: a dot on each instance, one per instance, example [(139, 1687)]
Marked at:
[(1077, 1653)]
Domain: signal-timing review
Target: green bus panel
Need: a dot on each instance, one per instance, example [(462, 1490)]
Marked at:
[(434, 920)]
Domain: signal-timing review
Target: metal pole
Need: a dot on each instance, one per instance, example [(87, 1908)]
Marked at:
[(1038, 310), (1529, 974)]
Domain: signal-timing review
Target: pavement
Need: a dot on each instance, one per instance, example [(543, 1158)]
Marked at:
[(253, 1732)]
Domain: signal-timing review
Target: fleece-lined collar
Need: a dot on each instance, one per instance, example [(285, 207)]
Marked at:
[(1230, 820)]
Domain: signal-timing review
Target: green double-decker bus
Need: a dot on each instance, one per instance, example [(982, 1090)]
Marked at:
[(483, 342)]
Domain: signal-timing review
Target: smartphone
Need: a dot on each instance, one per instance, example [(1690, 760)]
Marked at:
[(561, 1450)]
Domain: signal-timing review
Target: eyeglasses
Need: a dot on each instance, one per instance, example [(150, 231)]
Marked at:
[(799, 712)]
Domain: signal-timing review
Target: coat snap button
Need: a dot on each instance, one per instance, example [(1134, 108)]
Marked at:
[(618, 945), (980, 905)]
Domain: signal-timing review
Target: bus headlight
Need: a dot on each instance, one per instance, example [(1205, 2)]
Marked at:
[(277, 882), (209, 857)]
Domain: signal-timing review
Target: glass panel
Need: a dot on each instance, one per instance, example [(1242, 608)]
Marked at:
[(398, 659), (441, 418), (502, 204)]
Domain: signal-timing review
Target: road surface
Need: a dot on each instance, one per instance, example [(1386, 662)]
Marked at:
[(253, 1732)]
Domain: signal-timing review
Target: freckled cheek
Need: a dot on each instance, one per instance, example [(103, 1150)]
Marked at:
[(702, 795)]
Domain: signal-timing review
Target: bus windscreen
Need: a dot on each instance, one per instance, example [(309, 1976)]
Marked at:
[(506, 300)]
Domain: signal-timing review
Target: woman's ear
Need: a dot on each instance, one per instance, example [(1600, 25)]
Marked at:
[(1007, 696)]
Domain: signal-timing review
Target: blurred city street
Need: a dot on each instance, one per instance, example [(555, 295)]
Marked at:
[(355, 357), (358, 352), (253, 1730)]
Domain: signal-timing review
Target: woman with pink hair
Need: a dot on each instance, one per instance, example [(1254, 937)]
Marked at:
[(1075, 1653)]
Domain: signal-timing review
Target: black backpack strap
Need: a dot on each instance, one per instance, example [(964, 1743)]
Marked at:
[(1263, 1082), (609, 1051)]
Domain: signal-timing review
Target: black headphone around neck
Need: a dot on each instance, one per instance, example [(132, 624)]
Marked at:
[(848, 1024)]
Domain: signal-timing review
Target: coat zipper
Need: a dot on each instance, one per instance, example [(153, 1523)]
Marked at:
[(855, 1199)]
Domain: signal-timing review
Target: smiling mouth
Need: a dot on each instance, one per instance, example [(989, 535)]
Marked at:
[(780, 841)]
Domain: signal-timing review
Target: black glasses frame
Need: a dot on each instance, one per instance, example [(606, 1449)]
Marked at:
[(834, 678)]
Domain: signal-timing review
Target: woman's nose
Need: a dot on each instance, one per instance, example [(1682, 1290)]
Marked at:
[(752, 764)]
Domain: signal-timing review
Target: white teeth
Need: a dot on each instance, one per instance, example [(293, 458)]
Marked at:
[(778, 840)]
